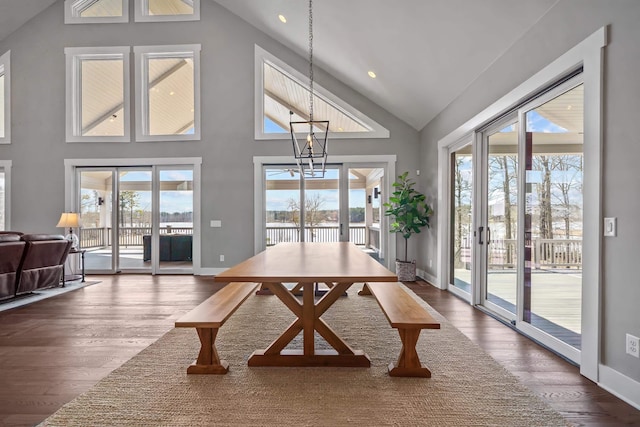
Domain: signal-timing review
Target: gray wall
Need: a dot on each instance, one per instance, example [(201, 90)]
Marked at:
[(38, 146), (567, 24)]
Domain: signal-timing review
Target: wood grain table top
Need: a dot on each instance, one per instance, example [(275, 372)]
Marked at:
[(309, 261)]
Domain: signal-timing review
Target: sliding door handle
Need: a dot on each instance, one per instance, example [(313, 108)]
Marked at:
[(480, 230)]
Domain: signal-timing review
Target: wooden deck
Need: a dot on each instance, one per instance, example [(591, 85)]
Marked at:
[(54, 350)]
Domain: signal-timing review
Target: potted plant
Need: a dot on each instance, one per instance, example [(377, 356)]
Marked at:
[(410, 213)]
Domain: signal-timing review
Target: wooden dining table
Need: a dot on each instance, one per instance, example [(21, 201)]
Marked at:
[(338, 265)]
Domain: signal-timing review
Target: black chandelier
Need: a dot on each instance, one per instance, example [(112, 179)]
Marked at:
[(311, 156)]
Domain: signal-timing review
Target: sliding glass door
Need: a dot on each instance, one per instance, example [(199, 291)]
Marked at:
[(343, 205), (552, 276), (96, 187), (499, 226), (515, 230), (137, 219), (461, 249), (133, 218), (175, 222)]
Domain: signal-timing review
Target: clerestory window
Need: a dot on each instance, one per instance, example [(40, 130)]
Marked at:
[(282, 95), (167, 93), (95, 11), (167, 10), (98, 107)]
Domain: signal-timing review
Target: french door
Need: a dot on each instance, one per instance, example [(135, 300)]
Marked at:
[(343, 205), (137, 218), (515, 231)]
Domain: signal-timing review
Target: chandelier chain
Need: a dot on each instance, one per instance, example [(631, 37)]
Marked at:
[(311, 60)]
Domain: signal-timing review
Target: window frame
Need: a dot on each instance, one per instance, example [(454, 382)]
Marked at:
[(141, 13), (5, 69), (142, 54), (5, 167), (73, 60), (262, 57), (72, 17)]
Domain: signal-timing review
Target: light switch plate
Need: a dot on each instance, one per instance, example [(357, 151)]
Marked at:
[(216, 223), (610, 227)]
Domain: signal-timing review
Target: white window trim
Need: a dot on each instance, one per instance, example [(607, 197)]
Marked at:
[(5, 166), (259, 162), (71, 188), (142, 105), (71, 17), (73, 57), (142, 15), (589, 54), (5, 68), (262, 56)]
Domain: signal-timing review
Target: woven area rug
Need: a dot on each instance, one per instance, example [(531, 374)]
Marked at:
[(468, 387)]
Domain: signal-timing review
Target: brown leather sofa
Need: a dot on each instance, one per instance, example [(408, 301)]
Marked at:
[(30, 261), (42, 262), (11, 252)]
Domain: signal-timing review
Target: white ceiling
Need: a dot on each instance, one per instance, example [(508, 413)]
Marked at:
[(425, 52)]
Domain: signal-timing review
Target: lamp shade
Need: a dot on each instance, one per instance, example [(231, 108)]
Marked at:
[(69, 219)]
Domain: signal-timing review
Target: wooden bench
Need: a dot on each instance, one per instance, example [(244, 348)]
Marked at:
[(409, 318), (207, 318)]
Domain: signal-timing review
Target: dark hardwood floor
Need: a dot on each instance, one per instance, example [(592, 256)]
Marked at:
[(53, 350)]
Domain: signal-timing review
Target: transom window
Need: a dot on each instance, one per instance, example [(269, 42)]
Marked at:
[(95, 11), (280, 91), (167, 10), (168, 93), (98, 94)]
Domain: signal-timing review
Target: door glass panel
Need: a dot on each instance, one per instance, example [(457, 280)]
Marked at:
[(321, 208), (501, 235), (365, 210), (96, 195), (554, 172), (135, 218), (282, 205), (176, 219), (462, 219)]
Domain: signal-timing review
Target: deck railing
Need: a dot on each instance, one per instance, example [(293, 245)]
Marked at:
[(274, 235), (546, 253), (127, 236)]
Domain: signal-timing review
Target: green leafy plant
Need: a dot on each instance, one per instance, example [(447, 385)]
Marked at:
[(408, 209)]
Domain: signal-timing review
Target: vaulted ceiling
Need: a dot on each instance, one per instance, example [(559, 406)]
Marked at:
[(424, 52)]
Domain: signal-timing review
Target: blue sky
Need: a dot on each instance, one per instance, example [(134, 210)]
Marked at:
[(170, 201)]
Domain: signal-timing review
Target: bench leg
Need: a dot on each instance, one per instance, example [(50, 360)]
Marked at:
[(408, 363), (208, 361), (365, 290)]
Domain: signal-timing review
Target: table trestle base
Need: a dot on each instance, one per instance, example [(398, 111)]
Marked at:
[(297, 358)]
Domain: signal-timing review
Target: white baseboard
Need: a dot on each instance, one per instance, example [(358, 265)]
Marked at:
[(428, 277), (210, 271), (620, 385)]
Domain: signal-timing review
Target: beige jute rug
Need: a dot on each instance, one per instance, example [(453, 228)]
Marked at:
[(468, 388)]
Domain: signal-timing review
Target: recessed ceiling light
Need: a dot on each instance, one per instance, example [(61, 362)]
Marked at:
[(282, 19), (371, 74)]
